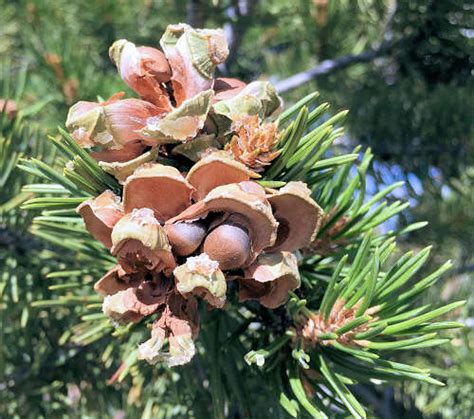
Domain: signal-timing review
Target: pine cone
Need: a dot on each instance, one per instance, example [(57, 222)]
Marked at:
[(253, 143)]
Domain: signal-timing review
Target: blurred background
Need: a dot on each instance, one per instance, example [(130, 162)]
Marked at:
[(402, 68)]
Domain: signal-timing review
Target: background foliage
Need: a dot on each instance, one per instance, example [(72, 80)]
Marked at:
[(406, 77)]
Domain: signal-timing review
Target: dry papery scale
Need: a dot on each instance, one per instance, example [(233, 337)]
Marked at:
[(201, 198)]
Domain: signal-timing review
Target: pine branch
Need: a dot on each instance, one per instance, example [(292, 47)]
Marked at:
[(340, 63), (331, 66), (354, 307)]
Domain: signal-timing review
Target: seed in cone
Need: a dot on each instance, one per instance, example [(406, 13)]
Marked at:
[(229, 244), (245, 200), (185, 238)]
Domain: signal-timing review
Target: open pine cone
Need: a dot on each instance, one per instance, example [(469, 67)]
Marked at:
[(180, 235)]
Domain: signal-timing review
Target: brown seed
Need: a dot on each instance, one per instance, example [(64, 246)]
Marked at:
[(185, 238), (228, 244)]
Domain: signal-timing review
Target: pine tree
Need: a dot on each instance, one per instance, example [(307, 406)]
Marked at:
[(64, 47), (355, 309)]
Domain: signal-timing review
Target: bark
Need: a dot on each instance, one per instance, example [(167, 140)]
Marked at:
[(330, 66)]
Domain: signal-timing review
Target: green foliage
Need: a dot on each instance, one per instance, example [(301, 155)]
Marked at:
[(353, 275), (412, 108), (424, 125), (34, 368)]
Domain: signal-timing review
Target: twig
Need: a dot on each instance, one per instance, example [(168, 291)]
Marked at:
[(331, 66), (340, 63)]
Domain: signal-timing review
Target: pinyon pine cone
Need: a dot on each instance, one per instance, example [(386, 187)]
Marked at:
[(180, 235)]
